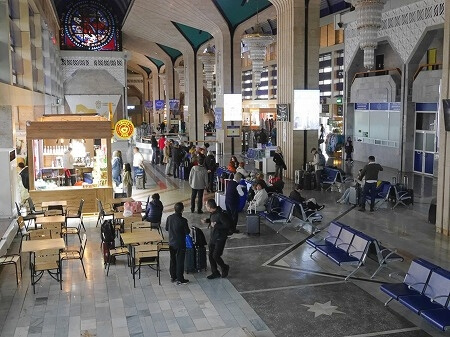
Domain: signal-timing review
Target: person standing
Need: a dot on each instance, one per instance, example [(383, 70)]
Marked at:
[(116, 166), (349, 150), (322, 132), (161, 145), (178, 228), (176, 159), (138, 163), (280, 165), (319, 164), (370, 173), (210, 164), (69, 171), (155, 148), (168, 157), (198, 180), (24, 175), (127, 185), (232, 194), (220, 222)]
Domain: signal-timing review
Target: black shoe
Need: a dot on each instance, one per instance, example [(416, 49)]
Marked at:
[(371, 210), (236, 231), (182, 282), (230, 233), (225, 271), (362, 209), (192, 210), (200, 211), (173, 280), (213, 276), (321, 207)]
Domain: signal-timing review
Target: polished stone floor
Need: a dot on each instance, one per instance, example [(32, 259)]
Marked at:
[(274, 286)]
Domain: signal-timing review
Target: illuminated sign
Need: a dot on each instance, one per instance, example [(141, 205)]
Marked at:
[(124, 129)]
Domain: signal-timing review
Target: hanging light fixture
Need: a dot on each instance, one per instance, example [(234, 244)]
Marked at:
[(257, 43), (208, 58), (368, 23)]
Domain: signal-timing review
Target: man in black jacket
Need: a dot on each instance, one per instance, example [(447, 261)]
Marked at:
[(155, 149), (220, 223), (370, 172), (178, 228)]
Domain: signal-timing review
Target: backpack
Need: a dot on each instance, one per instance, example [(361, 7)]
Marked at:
[(107, 231), (322, 160), (198, 237)]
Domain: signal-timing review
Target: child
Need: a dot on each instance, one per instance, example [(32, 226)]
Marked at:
[(127, 180)]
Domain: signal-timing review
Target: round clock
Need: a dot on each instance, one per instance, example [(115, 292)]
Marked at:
[(89, 25)]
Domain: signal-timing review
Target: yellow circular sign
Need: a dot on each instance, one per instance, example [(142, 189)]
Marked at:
[(124, 129)]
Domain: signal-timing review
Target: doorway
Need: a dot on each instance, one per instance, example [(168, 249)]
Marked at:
[(425, 142)]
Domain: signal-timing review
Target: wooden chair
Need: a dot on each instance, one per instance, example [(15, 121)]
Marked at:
[(12, 259), (67, 230), (29, 217), (46, 261), (75, 254), (127, 221), (22, 231), (55, 229), (118, 251), (139, 225), (102, 213), (40, 234), (144, 255), (32, 208), (78, 216), (54, 210)]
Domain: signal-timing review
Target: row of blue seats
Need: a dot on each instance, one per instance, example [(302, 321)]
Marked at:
[(425, 290), (347, 246)]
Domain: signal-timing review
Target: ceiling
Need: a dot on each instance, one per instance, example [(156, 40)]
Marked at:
[(173, 27)]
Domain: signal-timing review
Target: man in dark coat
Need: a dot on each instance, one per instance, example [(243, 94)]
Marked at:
[(178, 228), (232, 196), (219, 221)]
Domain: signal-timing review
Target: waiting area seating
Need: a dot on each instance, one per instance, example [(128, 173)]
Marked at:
[(331, 176), (280, 214), (347, 246), (425, 290)]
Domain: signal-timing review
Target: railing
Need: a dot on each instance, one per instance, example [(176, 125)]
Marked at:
[(377, 73), (428, 66)]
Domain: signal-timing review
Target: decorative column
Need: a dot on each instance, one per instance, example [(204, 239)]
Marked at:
[(298, 31), (180, 72), (443, 186)]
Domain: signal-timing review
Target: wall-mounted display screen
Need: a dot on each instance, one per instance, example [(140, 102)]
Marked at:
[(306, 109)]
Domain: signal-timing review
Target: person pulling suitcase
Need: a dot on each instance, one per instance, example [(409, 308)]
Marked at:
[(220, 222)]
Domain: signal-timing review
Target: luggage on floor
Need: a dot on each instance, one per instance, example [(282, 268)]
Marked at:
[(298, 177), (198, 237), (253, 224), (307, 181), (200, 258), (140, 182), (189, 261), (354, 195), (432, 212)]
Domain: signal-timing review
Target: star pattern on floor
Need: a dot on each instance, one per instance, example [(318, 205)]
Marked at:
[(323, 309)]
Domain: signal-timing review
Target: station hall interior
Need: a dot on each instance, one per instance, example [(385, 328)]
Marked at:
[(100, 77)]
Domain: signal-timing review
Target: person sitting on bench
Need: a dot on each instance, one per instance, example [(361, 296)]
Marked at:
[(310, 204)]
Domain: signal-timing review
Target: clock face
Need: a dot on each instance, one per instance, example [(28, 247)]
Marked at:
[(89, 25)]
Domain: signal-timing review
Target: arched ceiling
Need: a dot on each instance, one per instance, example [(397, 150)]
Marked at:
[(179, 26)]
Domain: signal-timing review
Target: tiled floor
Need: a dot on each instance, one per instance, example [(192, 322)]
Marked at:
[(274, 286)]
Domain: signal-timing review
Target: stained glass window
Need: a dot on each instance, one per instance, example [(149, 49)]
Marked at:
[(89, 25)]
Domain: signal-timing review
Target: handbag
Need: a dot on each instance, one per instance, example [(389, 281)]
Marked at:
[(189, 242)]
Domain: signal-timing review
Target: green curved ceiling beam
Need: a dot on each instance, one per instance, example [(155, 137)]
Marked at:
[(235, 12), (173, 53), (194, 36), (147, 70), (158, 63)]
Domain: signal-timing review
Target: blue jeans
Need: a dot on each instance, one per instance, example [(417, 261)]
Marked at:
[(369, 189)]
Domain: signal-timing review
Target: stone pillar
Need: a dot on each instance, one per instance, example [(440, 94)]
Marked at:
[(298, 68), (7, 135), (443, 186)]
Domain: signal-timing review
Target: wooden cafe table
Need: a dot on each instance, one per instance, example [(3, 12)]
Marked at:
[(62, 203), (140, 236)]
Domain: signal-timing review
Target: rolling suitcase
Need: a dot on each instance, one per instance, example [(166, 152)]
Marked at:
[(140, 182), (200, 258), (253, 224), (354, 195), (189, 261), (307, 181)]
